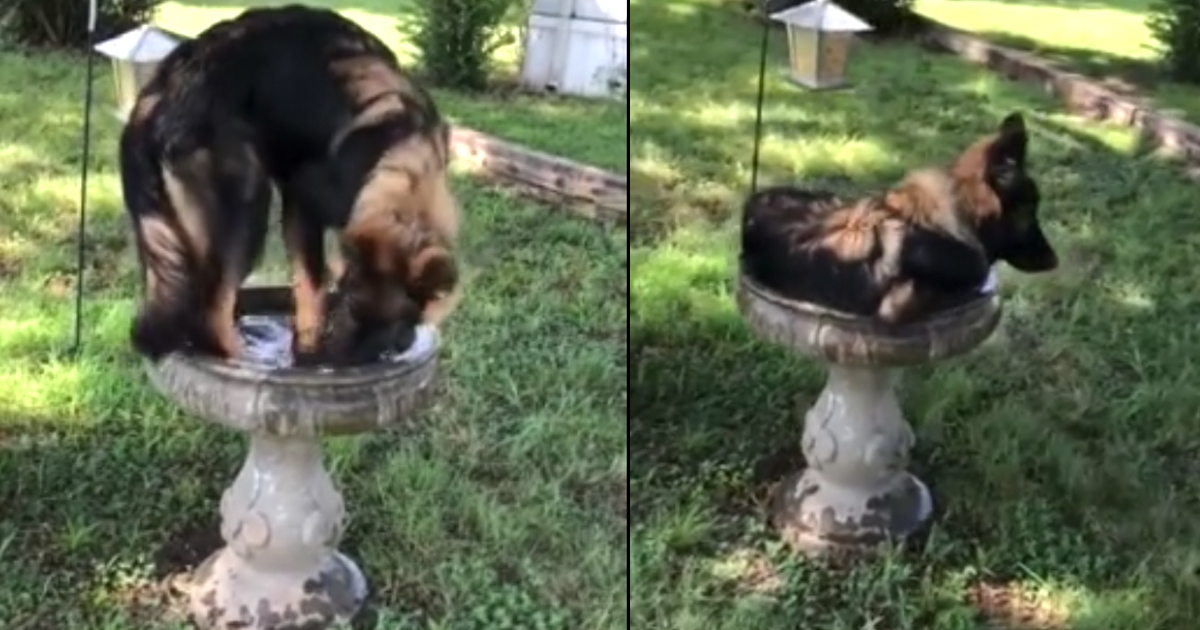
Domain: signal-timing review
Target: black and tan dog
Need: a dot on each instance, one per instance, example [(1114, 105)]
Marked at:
[(925, 245), (308, 101)]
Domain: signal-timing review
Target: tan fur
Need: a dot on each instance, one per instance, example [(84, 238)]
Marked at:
[(367, 77), (931, 197), (158, 237), (190, 210), (222, 317), (308, 293), (406, 208), (405, 215), (974, 194), (143, 108)]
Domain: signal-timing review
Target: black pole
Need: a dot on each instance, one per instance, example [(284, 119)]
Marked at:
[(762, 71), (81, 233)]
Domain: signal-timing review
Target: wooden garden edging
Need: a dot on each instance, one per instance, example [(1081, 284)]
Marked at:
[(587, 190), (1081, 95)]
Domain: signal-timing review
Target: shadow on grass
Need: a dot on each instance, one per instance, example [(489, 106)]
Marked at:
[(1132, 77), (1118, 71), (1058, 452), (692, 122), (1128, 6), (507, 502)]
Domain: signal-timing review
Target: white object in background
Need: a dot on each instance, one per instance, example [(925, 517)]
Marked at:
[(578, 47), (991, 283), (821, 15), (135, 55), (820, 37), (143, 44)]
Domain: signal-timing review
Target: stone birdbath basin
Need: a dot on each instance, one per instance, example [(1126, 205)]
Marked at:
[(856, 492), (282, 517)]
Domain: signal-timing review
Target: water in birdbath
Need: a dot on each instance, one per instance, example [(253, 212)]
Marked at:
[(991, 283), (267, 343)]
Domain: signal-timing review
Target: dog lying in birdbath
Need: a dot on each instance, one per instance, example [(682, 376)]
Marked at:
[(870, 286)]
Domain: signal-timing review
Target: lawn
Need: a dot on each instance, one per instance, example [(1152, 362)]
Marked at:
[(1105, 39), (506, 509), (1062, 454)]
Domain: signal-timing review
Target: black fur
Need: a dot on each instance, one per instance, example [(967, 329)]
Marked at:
[(250, 102)]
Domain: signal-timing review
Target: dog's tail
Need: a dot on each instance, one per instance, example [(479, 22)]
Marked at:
[(169, 315)]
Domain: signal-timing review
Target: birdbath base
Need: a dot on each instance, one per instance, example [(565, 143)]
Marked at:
[(282, 517), (226, 592), (279, 570), (856, 492)]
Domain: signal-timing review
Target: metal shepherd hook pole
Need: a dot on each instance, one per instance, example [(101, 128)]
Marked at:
[(762, 70), (81, 234)]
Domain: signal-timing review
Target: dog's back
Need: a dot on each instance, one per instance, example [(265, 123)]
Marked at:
[(274, 69), (809, 245)]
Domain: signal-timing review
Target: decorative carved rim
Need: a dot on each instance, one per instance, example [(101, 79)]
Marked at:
[(844, 339), (296, 401), (591, 192)]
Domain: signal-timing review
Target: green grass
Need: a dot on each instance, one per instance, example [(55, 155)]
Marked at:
[(587, 130), (1105, 39), (1062, 453), (506, 510)]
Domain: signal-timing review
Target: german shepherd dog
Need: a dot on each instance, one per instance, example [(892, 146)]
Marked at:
[(925, 245), (307, 101)]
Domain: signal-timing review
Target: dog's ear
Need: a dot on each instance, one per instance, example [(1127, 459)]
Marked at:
[(432, 272), (1013, 123), (1011, 144)]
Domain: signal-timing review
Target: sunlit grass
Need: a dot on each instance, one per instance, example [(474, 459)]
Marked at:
[(1106, 39), (1060, 452), (506, 507)]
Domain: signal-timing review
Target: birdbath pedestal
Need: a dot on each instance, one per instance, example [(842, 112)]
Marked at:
[(282, 517), (856, 492)]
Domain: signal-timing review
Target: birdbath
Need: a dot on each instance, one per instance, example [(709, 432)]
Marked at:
[(856, 492), (282, 517)]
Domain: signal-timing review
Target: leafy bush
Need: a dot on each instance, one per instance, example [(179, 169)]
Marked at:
[(1176, 26), (457, 38), (63, 23), (886, 17)]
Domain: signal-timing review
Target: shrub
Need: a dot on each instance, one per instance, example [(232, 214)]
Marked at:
[(1176, 26), (886, 17), (457, 38), (63, 23)]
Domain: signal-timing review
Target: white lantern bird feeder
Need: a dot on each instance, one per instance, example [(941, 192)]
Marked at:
[(820, 35), (135, 55)]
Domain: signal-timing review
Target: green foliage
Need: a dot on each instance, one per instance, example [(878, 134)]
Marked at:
[(456, 40), (1175, 24), (63, 23)]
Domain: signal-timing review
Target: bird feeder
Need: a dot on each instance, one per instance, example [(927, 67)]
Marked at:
[(135, 55), (820, 34)]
